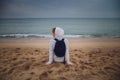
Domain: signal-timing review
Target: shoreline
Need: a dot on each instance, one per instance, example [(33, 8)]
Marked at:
[(29, 39), (73, 42)]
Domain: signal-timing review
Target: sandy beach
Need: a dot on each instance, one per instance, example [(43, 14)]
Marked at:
[(93, 59)]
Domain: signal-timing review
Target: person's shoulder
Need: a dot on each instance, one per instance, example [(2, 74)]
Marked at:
[(65, 39), (52, 40)]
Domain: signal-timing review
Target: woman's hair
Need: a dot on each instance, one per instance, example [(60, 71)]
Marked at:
[(53, 30)]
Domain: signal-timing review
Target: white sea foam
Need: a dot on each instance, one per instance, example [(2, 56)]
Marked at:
[(50, 36)]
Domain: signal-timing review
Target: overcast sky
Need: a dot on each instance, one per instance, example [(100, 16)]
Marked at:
[(59, 8)]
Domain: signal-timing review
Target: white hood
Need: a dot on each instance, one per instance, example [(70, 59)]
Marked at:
[(59, 32)]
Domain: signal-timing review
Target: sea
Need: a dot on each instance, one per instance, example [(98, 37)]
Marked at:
[(73, 27)]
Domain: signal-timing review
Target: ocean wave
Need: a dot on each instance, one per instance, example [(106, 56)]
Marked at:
[(50, 36), (24, 35)]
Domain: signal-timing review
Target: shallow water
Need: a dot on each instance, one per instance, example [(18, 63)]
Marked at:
[(74, 27)]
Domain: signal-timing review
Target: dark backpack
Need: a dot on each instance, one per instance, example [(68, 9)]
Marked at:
[(60, 48)]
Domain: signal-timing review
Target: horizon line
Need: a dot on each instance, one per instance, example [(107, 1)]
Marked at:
[(61, 17)]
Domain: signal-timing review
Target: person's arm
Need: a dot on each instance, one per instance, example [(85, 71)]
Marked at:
[(51, 53), (67, 58)]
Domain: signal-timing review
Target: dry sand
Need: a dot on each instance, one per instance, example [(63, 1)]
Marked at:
[(94, 59)]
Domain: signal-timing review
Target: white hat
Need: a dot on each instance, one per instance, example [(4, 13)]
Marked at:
[(59, 32)]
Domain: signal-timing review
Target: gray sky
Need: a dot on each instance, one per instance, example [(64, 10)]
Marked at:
[(59, 8)]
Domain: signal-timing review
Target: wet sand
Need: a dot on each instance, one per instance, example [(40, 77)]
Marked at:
[(93, 59)]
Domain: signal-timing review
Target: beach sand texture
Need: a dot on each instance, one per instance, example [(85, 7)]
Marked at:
[(92, 60)]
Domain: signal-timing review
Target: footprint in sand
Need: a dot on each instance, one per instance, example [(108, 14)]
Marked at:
[(3, 70), (28, 79), (43, 61), (17, 50), (62, 78), (102, 72), (75, 50), (11, 70), (115, 51), (32, 73), (43, 75), (37, 50), (78, 55), (14, 59), (50, 71), (27, 65), (17, 63), (110, 68), (115, 73)]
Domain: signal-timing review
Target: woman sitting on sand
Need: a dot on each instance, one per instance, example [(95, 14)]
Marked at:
[(58, 47)]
